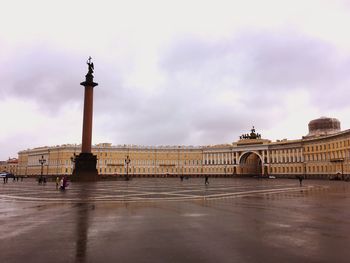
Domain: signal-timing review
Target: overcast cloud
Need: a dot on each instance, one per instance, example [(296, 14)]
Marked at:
[(189, 73)]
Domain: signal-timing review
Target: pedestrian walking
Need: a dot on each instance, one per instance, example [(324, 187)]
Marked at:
[(206, 180), (300, 180), (63, 183), (57, 182), (62, 186)]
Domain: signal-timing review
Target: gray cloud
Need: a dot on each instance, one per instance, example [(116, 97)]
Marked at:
[(48, 76), (187, 108), (266, 65)]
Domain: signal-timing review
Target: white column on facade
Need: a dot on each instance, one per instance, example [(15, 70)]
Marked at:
[(297, 155), (271, 156), (280, 153), (280, 156), (301, 155), (263, 163), (263, 157)]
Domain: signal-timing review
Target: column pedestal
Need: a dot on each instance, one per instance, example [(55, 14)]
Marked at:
[(85, 168)]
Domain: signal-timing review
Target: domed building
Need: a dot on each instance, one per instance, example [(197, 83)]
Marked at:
[(323, 126)]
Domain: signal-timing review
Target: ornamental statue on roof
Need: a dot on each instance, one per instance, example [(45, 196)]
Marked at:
[(251, 136)]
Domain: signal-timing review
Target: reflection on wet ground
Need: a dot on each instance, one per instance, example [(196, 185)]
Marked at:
[(151, 190), (165, 220)]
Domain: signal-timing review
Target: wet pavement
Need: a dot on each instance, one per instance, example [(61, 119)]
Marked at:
[(166, 220)]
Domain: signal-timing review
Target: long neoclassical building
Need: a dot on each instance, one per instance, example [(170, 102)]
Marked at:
[(323, 153)]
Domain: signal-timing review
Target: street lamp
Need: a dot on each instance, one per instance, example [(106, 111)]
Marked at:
[(42, 161), (127, 161)]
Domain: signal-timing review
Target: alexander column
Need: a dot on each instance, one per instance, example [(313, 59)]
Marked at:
[(85, 162)]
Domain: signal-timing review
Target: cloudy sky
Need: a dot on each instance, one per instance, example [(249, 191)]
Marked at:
[(179, 72)]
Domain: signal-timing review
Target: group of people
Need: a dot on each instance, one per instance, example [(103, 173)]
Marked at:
[(42, 179), (61, 183), (15, 178)]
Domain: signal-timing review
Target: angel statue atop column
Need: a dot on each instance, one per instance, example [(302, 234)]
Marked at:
[(91, 66)]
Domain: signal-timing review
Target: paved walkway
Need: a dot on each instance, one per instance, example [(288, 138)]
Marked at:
[(143, 190), (165, 220)]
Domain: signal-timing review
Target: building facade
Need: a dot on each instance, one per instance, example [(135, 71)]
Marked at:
[(9, 166), (323, 153)]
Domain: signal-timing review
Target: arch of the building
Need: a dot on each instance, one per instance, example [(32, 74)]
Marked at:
[(251, 163)]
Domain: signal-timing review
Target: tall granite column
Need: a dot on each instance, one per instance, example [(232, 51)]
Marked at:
[(85, 162)]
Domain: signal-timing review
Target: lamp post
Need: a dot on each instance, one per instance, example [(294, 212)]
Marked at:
[(42, 161), (127, 161)]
